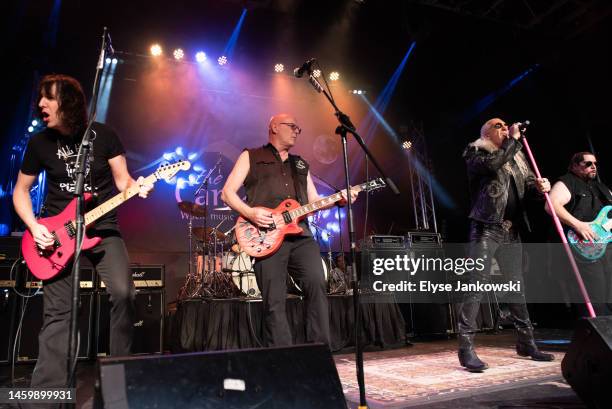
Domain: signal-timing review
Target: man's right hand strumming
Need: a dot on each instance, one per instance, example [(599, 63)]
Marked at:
[(41, 235), (261, 217), (585, 231)]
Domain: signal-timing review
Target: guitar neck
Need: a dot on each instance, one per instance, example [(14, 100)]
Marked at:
[(321, 203), (115, 201)]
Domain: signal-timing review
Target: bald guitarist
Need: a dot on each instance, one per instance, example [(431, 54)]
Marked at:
[(62, 107), (271, 174)]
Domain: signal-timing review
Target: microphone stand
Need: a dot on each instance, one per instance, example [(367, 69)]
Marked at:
[(79, 193), (346, 127)]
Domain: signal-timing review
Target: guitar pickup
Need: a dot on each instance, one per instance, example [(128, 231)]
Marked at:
[(287, 217), (70, 229)]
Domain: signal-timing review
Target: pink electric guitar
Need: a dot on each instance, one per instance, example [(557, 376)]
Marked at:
[(261, 242), (46, 264)]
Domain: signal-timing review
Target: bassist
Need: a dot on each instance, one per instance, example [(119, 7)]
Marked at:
[(577, 198), (62, 106)]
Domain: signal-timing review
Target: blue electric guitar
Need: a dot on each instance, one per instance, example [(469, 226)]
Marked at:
[(593, 250)]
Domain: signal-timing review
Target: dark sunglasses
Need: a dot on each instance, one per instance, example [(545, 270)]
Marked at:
[(499, 125), (588, 163)]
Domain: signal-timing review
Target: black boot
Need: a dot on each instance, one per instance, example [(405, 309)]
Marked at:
[(467, 356), (526, 346)]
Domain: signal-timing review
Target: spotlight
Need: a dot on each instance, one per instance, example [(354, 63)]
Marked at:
[(30, 129), (279, 68), (334, 76), (108, 60), (200, 56), (407, 145), (156, 50), (316, 73), (34, 122), (178, 54), (357, 92), (115, 61), (222, 60)]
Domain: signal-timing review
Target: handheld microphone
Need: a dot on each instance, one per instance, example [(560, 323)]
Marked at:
[(306, 67), (524, 124)]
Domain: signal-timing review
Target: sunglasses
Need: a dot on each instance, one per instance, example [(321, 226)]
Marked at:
[(499, 125), (588, 163)]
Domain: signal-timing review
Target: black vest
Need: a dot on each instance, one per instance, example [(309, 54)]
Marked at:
[(270, 180), (587, 197)]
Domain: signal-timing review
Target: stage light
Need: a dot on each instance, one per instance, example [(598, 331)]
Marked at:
[(192, 156), (168, 156), (179, 151), (115, 61), (34, 122), (334, 76), (407, 145), (200, 56), (279, 68), (30, 129), (108, 60), (357, 92), (178, 54), (156, 50), (316, 73), (222, 60)]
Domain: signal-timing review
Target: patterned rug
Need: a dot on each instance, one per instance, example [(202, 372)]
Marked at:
[(411, 380)]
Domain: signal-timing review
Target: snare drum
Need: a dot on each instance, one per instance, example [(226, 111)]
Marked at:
[(294, 288), (241, 266)]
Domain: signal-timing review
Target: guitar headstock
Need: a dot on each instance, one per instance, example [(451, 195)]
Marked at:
[(372, 185), (167, 172)]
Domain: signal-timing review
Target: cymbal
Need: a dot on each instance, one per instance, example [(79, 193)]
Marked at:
[(201, 234), (192, 209)]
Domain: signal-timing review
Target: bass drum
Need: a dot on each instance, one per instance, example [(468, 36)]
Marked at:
[(294, 288), (241, 266)]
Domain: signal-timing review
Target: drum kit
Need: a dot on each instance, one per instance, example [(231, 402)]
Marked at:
[(219, 269)]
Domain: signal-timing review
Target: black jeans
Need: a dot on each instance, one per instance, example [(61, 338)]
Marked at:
[(300, 257), (597, 277), (110, 259), (488, 241)]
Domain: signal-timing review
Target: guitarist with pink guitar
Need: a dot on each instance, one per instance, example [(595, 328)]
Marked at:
[(62, 106), (271, 176), (583, 204)]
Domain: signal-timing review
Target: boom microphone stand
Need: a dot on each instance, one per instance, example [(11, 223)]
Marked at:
[(79, 193), (346, 127)]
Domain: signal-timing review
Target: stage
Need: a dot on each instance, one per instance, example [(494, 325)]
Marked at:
[(425, 375)]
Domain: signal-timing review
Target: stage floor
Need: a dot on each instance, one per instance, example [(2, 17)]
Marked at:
[(424, 375)]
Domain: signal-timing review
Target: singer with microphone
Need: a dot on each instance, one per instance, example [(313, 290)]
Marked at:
[(500, 180)]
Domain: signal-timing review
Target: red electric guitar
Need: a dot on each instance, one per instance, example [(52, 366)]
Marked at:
[(46, 264), (261, 242)]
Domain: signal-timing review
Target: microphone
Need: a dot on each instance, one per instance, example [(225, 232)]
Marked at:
[(306, 67), (524, 124)]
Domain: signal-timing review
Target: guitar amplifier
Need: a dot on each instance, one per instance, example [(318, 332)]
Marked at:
[(12, 273), (144, 276), (87, 277), (379, 241), (148, 323), (8, 307), (423, 239)]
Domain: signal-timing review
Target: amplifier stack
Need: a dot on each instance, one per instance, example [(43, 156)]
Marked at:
[(22, 295)]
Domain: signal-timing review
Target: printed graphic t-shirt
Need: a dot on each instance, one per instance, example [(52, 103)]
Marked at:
[(56, 154)]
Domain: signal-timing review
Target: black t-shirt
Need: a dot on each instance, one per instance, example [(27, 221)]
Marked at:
[(56, 154), (512, 205)]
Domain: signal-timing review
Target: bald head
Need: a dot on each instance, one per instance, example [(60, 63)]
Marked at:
[(283, 131)]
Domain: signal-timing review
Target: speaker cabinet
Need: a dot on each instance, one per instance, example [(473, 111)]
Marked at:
[(302, 376), (587, 365), (148, 323), (33, 321)]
